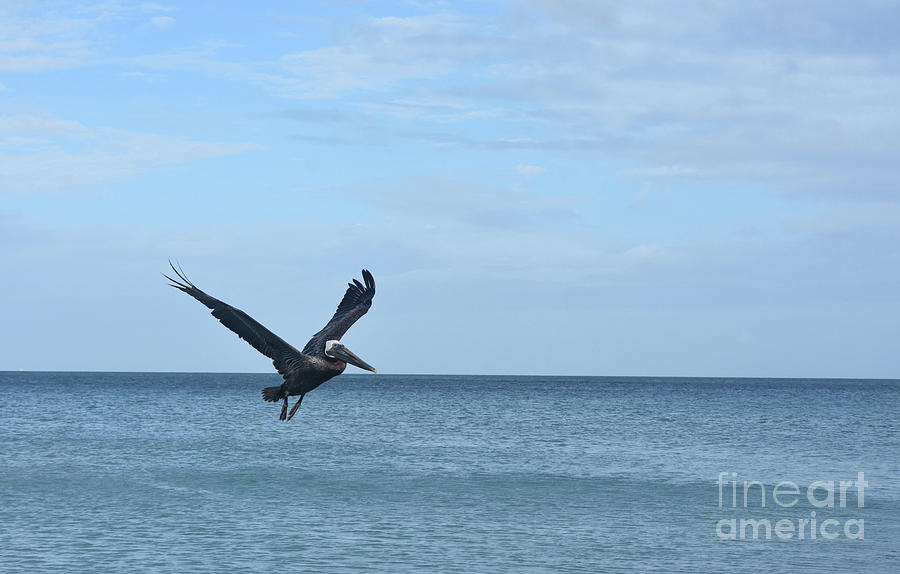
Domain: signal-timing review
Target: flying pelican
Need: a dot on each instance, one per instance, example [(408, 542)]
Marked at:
[(322, 358)]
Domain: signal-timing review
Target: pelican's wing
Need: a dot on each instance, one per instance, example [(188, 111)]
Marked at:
[(285, 357), (354, 305)]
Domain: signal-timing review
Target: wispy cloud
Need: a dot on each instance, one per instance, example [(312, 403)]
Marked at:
[(796, 110), (668, 92), (41, 36), (50, 153), (30, 42), (380, 55), (790, 98), (529, 170), (162, 22), (385, 52), (441, 201)]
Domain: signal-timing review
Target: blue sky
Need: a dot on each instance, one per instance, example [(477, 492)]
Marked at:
[(539, 187)]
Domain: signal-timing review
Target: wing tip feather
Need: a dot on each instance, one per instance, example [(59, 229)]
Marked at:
[(180, 273), (369, 280), (176, 284)]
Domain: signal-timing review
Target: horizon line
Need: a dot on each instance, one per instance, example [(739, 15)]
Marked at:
[(749, 377)]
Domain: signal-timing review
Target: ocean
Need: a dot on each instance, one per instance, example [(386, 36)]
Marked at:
[(191, 472)]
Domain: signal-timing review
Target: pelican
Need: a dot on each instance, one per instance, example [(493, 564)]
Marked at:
[(323, 357)]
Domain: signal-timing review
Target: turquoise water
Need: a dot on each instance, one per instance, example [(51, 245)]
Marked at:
[(154, 472)]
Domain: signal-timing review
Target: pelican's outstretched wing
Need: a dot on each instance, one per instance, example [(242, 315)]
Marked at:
[(285, 357), (354, 305)]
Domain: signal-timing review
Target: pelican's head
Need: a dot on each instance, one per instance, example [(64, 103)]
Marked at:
[(337, 350)]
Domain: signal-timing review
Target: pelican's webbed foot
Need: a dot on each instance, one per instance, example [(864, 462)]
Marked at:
[(294, 410), (284, 409)]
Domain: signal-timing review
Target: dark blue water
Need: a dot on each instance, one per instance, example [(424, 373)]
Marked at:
[(149, 472)]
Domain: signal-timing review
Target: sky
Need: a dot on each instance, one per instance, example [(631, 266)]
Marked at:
[(555, 187)]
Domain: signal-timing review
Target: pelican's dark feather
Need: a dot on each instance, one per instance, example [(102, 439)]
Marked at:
[(285, 357), (354, 305)]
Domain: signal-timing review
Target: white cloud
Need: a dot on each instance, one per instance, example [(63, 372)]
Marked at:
[(33, 40), (717, 94), (378, 56), (41, 36), (529, 170), (472, 205), (162, 22), (49, 153), (796, 99), (41, 127), (381, 54)]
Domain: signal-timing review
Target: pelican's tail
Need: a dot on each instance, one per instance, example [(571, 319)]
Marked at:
[(273, 394)]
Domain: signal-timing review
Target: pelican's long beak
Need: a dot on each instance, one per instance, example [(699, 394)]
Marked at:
[(343, 353)]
